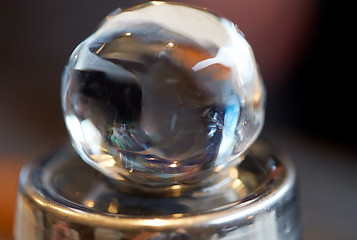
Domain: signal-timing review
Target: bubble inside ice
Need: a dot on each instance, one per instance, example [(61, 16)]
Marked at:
[(163, 94)]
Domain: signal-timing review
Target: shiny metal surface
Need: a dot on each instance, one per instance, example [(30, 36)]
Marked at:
[(62, 198)]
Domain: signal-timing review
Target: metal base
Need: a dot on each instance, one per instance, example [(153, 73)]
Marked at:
[(60, 197)]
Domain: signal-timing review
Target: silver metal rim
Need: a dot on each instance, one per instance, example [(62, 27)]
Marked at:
[(236, 214)]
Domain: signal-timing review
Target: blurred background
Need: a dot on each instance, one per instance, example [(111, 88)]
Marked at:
[(306, 52)]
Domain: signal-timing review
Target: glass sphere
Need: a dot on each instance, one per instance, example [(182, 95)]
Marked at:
[(163, 94)]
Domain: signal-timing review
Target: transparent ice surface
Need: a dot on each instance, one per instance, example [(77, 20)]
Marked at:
[(163, 95)]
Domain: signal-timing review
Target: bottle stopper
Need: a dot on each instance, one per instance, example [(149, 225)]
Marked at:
[(163, 95)]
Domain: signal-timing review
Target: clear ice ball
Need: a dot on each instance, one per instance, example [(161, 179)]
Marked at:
[(163, 94)]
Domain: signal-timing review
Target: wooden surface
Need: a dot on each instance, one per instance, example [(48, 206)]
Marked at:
[(10, 167)]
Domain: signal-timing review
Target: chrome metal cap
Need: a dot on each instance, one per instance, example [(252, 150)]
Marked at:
[(60, 197)]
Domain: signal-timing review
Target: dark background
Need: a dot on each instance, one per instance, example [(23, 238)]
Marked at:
[(306, 51)]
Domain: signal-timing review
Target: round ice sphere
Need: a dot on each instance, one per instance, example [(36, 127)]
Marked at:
[(163, 94)]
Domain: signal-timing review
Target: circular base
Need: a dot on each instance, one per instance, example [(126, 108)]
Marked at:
[(61, 197)]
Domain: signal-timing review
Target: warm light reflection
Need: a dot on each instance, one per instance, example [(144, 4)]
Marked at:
[(219, 168), (233, 172), (89, 203), (236, 184), (173, 165), (175, 187), (240, 187), (171, 45), (104, 160), (258, 92), (155, 222), (157, 2), (100, 49), (113, 206)]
